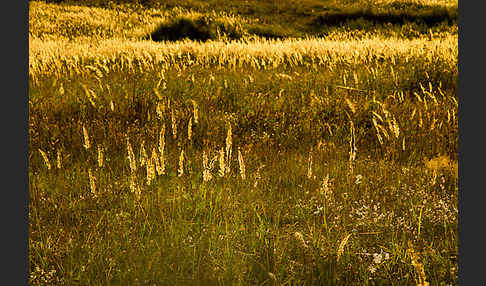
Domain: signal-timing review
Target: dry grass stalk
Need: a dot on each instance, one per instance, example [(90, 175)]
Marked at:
[(222, 168), (46, 159), (258, 176), (352, 145), (309, 165), (133, 184), (351, 105), (161, 148), (189, 129), (229, 144), (100, 156), (340, 250), (143, 155), (150, 169), (160, 110), (112, 106), (421, 122), (92, 183), (325, 185), (241, 162), (380, 139), (131, 157), (180, 171), (393, 126), (174, 124), (195, 112), (90, 95), (156, 161), (86, 143), (329, 129), (299, 237), (59, 163), (206, 168), (418, 266)]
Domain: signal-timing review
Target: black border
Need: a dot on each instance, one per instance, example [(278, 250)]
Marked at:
[(471, 89), (14, 116)]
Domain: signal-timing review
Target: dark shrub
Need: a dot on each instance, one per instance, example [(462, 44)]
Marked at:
[(201, 29)]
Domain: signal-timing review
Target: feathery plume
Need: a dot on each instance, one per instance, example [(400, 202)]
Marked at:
[(150, 170), (143, 155), (100, 156), (174, 124), (341, 246), (242, 165), (189, 129), (180, 171), (229, 143), (131, 157), (92, 184), (46, 159), (352, 145), (206, 168), (418, 266), (86, 144), (222, 168), (156, 160), (300, 239), (309, 165), (59, 165), (133, 183), (195, 112)]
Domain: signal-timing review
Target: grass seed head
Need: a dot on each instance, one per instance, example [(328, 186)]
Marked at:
[(131, 157), (86, 144), (92, 183), (418, 266), (150, 167), (180, 171), (59, 163), (206, 168), (174, 124), (222, 168), (100, 156), (299, 237), (229, 144), (189, 129), (241, 163), (309, 165), (46, 159), (341, 246), (195, 112)]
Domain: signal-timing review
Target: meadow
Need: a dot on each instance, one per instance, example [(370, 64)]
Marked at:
[(320, 153)]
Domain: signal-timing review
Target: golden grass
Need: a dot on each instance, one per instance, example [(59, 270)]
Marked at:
[(54, 56)]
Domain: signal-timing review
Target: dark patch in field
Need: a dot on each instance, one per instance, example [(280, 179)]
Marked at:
[(427, 17), (201, 29)]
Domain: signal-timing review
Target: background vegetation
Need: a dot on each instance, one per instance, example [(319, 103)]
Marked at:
[(318, 153)]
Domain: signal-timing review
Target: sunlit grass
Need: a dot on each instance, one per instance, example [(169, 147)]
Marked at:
[(316, 161)]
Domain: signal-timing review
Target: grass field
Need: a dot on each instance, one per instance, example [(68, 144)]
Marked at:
[(318, 148)]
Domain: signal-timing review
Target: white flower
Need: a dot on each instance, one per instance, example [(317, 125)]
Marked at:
[(377, 258), (318, 211), (372, 269), (358, 179)]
